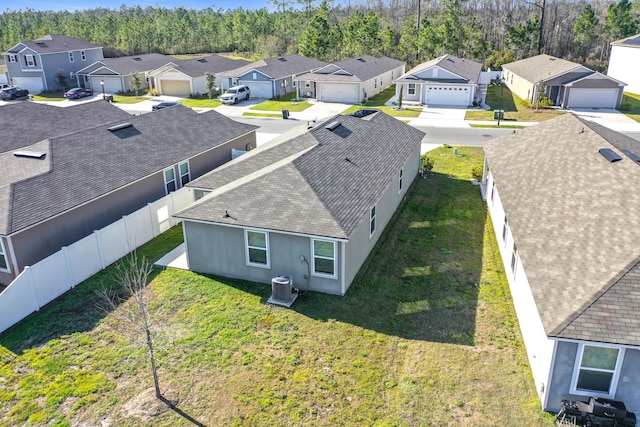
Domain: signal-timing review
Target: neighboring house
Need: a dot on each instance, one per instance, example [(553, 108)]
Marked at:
[(351, 81), (566, 83), (47, 121), (186, 77), (116, 75), (567, 221), (4, 78), (34, 65), (59, 190), (310, 205), (272, 77), (624, 62), (446, 80)]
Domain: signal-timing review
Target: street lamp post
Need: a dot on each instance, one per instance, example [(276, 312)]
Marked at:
[(104, 97)]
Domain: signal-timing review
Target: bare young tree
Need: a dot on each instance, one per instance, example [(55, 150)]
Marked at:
[(129, 304)]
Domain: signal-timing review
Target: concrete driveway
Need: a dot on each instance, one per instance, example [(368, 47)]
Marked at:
[(613, 119)]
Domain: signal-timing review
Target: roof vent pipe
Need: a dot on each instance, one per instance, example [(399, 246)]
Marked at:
[(610, 155)]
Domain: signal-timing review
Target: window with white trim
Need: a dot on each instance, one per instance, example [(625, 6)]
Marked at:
[(514, 258), (30, 60), (70, 56), (4, 264), (372, 221), (295, 83), (83, 55), (255, 76), (257, 248), (596, 370), (411, 90), (400, 181), (375, 82), (170, 180), (185, 175), (324, 258), (505, 229), (307, 84), (12, 58), (493, 191)]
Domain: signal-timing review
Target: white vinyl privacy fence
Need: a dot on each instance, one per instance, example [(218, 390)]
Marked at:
[(46, 280)]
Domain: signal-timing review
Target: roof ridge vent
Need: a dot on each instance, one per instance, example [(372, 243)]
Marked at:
[(333, 125), (121, 126), (630, 154), (30, 154), (610, 155)]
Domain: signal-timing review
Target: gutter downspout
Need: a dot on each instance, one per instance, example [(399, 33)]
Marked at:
[(545, 400), (14, 260), (343, 272)]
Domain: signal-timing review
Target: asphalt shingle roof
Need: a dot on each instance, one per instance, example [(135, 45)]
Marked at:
[(465, 68), (93, 162), (277, 68), (361, 68), (25, 123), (541, 67), (319, 192), (138, 63), (197, 67), (575, 219), (52, 43), (631, 41)]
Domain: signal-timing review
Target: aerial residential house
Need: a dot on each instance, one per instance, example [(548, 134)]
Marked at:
[(271, 77), (351, 81), (565, 209), (624, 62), (447, 80), (116, 75), (61, 189), (186, 77), (566, 83), (310, 205), (34, 65), (4, 78)]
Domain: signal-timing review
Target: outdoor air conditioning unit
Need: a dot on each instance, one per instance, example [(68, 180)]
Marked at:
[(281, 293)]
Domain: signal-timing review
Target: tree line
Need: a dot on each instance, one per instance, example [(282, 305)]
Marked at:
[(492, 32)]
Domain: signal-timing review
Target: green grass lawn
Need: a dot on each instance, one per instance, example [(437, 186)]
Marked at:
[(202, 101), (631, 105), (275, 116), (514, 108), (130, 98), (426, 335), (285, 103), (49, 96), (378, 102)]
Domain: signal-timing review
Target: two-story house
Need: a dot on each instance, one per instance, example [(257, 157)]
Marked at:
[(35, 65)]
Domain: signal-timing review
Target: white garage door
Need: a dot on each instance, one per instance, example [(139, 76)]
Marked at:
[(259, 89), (111, 86), (592, 98), (175, 87), (32, 84), (448, 95), (345, 93)]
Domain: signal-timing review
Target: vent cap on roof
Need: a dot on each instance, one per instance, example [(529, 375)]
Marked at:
[(30, 154), (630, 154), (610, 155), (203, 60), (137, 58), (282, 59), (361, 59), (116, 128), (333, 125)]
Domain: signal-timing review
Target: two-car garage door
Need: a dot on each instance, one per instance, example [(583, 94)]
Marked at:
[(593, 98), (448, 95), (175, 87), (344, 93)]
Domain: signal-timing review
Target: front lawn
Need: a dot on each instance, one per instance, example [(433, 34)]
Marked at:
[(426, 335), (49, 96), (514, 108), (378, 102), (202, 101), (285, 103), (631, 105)]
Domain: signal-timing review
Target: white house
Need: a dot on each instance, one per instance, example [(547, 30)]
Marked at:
[(624, 62)]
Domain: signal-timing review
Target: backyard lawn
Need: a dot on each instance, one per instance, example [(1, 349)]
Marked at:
[(631, 105), (514, 108), (426, 335), (378, 102)]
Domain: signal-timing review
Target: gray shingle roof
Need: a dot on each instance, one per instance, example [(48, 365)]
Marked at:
[(361, 68), (52, 43), (541, 67), (277, 68), (465, 68), (138, 63), (197, 67), (631, 41), (575, 218), (25, 123), (318, 192), (94, 162)]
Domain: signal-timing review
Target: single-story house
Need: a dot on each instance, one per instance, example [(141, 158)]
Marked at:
[(61, 189), (46, 121), (447, 80), (566, 83), (271, 77), (34, 65), (310, 205), (624, 62), (186, 77), (351, 81), (565, 209), (115, 75)]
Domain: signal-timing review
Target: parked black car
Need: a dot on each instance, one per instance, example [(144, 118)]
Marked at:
[(77, 92), (162, 105), (13, 93)]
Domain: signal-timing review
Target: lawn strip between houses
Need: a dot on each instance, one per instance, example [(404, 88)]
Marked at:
[(426, 335)]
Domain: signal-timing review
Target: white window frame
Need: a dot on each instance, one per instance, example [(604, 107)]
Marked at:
[(247, 247), (375, 83), (31, 60), (372, 221), (188, 174), (255, 76), (307, 84), (400, 180), (505, 230), (411, 89), (578, 366), (3, 255), (514, 259), (71, 56), (166, 182), (334, 259), (12, 58), (83, 55), (293, 83)]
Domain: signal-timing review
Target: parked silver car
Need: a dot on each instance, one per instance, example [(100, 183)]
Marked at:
[(235, 94)]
